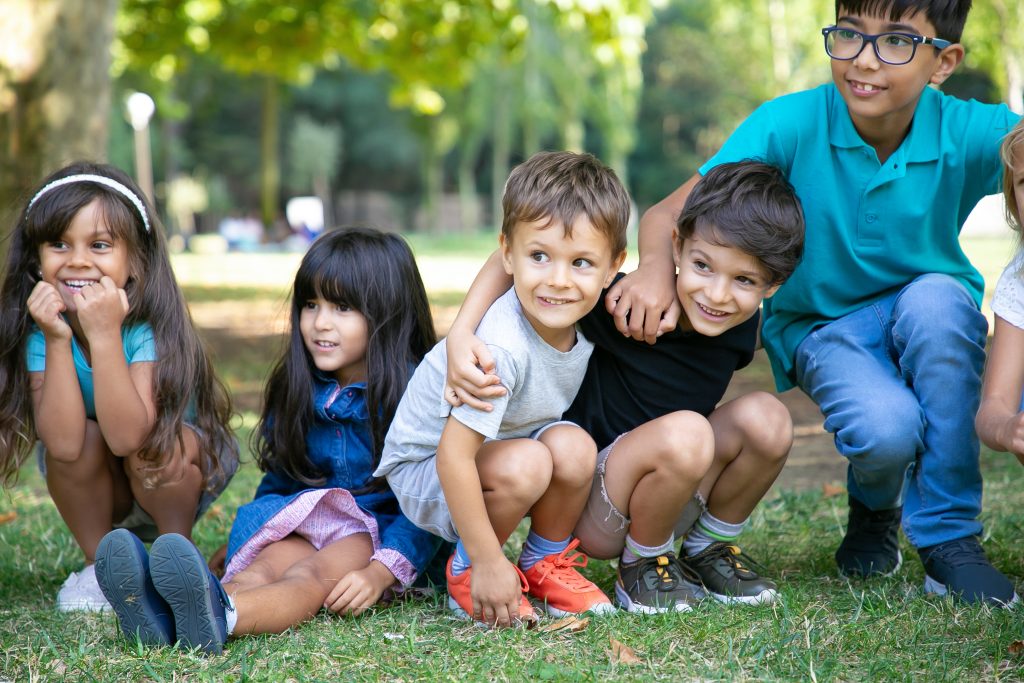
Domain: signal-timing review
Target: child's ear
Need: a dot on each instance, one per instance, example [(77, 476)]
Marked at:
[(771, 290), (675, 247), (949, 60), (613, 271), (506, 253)]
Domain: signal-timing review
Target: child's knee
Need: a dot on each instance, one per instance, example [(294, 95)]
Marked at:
[(885, 435), (573, 455), (767, 426), (687, 445), (524, 475)]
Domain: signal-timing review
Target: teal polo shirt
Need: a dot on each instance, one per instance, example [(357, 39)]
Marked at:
[(872, 228), (137, 341)]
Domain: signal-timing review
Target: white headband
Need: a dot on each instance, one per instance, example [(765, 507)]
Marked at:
[(102, 180)]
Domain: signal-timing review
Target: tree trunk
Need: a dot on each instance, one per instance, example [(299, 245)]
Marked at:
[(500, 156), (270, 158), (54, 90)]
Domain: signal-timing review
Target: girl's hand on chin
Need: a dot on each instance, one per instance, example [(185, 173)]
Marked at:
[(102, 307), (45, 306)]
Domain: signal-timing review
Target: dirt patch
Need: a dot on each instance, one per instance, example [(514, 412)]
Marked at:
[(246, 340)]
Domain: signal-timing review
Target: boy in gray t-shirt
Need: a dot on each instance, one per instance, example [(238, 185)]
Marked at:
[(471, 476)]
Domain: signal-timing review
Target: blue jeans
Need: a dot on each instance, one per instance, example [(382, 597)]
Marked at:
[(899, 383)]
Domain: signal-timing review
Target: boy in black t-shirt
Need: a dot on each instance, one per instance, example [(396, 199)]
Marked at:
[(673, 462)]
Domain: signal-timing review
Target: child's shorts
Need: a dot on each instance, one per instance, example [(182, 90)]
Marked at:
[(602, 527), (418, 489), (140, 522)]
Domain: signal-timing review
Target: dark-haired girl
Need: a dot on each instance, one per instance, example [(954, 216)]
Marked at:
[(100, 362), (321, 531)]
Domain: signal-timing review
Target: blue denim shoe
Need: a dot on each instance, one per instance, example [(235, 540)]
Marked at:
[(122, 571), (960, 568), (197, 599)]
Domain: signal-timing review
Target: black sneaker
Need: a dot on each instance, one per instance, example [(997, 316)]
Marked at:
[(960, 568), (653, 585), (729, 576), (871, 546)]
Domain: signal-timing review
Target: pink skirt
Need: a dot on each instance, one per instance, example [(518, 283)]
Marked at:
[(321, 516)]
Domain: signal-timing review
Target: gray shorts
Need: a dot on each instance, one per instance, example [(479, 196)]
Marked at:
[(418, 488), (602, 527), (140, 522)]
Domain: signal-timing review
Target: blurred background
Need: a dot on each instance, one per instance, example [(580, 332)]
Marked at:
[(256, 123)]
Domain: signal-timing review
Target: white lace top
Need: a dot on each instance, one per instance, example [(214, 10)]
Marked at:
[(1008, 298)]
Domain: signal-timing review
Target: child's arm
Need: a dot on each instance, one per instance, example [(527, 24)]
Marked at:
[(496, 589), (1000, 423), (58, 407), (471, 376), (125, 409), (648, 294)]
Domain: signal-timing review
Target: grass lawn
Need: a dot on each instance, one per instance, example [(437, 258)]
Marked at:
[(824, 628)]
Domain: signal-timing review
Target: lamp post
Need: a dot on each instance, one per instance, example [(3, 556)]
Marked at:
[(140, 110)]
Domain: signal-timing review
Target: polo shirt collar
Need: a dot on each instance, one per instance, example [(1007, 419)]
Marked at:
[(921, 143)]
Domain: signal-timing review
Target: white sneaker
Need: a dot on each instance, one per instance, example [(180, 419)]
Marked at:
[(81, 592)]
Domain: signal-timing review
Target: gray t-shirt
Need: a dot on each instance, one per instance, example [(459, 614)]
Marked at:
[(541, 382)]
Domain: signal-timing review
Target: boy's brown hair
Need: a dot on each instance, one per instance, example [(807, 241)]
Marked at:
[(561, 186), (750, 206), (947, 16)]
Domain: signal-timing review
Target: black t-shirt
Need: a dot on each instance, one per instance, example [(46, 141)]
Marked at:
[(631, 382)]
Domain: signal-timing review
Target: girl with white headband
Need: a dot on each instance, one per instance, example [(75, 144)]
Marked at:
[(101, 364)]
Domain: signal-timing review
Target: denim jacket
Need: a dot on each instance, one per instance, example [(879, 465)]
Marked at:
[(339, 444)]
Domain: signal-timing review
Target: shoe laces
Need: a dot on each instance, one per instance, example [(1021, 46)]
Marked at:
[(668, 572), (959, 553), (563, 567), (735, 557)]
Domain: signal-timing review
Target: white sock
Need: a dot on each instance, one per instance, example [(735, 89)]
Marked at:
[(709, 529), (230, 616), (634, 551)]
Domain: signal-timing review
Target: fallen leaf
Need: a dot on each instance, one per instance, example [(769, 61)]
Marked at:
[(1016, 647), (622, 654), (830, 490), (571, 623), (8, 517)]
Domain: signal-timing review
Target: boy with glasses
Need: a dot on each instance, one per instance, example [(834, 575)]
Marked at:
[(880, 323)]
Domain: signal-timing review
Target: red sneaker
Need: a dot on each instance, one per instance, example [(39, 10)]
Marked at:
[(563, 590), (460, 601)]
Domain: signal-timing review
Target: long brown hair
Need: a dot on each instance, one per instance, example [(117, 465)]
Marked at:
[(184, 375)]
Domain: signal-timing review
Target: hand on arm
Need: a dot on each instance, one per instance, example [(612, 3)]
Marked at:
[(125, 408), (644, 302), (471, 374), (359, 590), (58, 408), (495, 588), (1000, 423)]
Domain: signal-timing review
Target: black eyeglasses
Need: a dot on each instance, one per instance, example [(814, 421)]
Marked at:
[(891, 48)]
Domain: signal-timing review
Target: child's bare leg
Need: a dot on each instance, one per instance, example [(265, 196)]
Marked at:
[(89, 492), (653, 472), (299, 591), (573, 456), (514, 474), (753, 435), (172, 496)]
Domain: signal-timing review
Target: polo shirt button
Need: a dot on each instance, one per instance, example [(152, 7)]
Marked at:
[(871, 217)]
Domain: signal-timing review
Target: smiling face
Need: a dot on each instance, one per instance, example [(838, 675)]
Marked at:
[(335, 336), (84, 253), (718, 286), (882, 97), (558, 278)]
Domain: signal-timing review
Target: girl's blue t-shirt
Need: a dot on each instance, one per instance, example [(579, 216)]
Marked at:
[(137, 341)]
